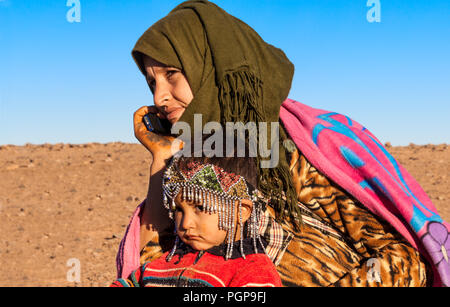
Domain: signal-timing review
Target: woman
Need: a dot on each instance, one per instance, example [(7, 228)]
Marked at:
[(201, 60)]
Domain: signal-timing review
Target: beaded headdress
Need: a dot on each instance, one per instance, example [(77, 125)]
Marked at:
[(217, 191)]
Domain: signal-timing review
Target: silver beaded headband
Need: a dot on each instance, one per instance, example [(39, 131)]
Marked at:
[(217, 191)]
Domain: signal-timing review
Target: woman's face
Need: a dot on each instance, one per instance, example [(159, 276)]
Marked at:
[(171, 91)]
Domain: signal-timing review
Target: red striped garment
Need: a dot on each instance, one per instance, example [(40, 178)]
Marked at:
[(190, 268)]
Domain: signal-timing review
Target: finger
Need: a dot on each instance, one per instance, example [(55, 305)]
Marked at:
[(141, 112), (155, 110), (138, 124)]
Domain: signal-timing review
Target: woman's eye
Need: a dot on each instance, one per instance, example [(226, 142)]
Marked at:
[(151, 85), (200, 208), (170, 73)]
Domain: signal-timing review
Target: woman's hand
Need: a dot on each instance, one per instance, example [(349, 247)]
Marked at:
[(154, 219), (160, 146)]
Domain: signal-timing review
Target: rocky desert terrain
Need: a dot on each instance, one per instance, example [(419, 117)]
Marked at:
[(63, 205)]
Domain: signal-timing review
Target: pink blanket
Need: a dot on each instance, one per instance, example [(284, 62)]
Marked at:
[(127, 259), (352, 157)]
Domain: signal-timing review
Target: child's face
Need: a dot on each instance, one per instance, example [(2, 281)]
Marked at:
[(196, 228)]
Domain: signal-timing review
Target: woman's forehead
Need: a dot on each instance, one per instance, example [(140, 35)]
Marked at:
[(148, 61), (152, 67)]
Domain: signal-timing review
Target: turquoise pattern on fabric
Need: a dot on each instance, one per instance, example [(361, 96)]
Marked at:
[(352, 158), (419, 219)]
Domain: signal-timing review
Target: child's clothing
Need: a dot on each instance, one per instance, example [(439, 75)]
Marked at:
[(191, 268)]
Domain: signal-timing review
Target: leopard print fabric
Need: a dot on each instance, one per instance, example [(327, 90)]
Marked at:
[(373, 254), (158, 246)]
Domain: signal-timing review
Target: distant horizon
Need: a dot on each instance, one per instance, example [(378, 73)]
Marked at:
[(68, 77), (137, 143)]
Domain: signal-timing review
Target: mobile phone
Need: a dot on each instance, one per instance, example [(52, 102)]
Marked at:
[(156, 124)]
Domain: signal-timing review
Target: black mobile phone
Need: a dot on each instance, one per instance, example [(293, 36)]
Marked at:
[(156, 124)]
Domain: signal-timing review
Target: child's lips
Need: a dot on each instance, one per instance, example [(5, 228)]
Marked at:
[(191, 237)]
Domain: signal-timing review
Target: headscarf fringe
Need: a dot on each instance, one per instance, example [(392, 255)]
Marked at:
[(276, 183), (240, 98)]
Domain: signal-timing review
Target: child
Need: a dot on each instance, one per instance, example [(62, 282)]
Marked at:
[(216, 211)]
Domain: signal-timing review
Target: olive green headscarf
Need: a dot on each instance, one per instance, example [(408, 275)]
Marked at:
[(234, 76)]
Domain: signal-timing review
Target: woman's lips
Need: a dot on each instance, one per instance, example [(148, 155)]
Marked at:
[(175, 114)]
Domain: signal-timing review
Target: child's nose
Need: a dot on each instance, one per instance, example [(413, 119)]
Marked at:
[(187, 222)]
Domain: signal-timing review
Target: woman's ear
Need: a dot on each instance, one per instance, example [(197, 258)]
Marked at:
[(247, 207)]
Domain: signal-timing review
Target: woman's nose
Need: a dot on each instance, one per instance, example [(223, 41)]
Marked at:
[(161, 96)]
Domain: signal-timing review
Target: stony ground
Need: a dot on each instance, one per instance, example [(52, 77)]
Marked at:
[(63, 205)]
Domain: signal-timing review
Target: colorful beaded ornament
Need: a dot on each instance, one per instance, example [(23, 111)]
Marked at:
[(217, 191)]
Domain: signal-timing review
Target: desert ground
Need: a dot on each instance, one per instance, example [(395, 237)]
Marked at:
[(63, 202)]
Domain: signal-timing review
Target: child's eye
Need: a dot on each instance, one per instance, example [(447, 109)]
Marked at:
[(199, 208)]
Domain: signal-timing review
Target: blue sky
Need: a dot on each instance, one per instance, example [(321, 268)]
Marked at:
[(76, 82)]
